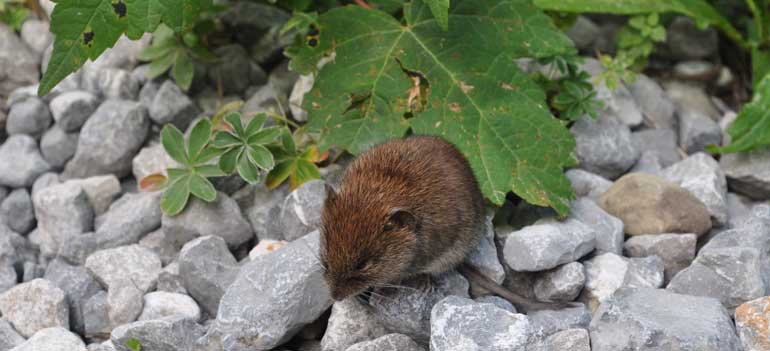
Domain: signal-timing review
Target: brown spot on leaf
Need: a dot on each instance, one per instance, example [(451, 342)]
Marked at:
[(465, 87), (315, 105), (455, 107), (312, 42), (88, 37), (507, 86), (119, 8)]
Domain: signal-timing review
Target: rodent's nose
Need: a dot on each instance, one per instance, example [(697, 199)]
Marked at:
[(338, 295)]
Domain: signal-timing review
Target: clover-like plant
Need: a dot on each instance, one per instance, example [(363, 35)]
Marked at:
[(293, 163), (245, 147)]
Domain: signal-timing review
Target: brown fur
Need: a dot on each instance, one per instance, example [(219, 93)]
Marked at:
[(404, 208)]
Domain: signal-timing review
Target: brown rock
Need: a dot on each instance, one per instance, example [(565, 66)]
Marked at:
[(648, 204), (752, 319)]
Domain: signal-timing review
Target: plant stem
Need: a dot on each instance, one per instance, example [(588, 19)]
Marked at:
[(758, 20)]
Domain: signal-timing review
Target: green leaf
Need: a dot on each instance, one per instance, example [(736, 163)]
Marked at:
[(299, 20), (287, 140), (751, 129), (477, 99), (261, 157), (304, 172), (134, 345), (183, 71), (209, 171), (154, 52), (175, 173), (440, 9), (256, 123), (264, 136), (83, 30), (228, 161), (175, 197), (280, 173), (181, 15), (389, 6), (234, 119), (700, 10), (161, 65), (225, 140), (173, 141), (202, 188), (760, 65), (247, 170), (199, 137), (208, 154)]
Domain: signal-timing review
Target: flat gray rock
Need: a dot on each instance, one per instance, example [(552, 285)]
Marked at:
[(350, 323), (390, 342), (161, 304), (748, 173), (30, 117), (207, 269), (63, 211), (169, 334), (133, 262), (301, 210), (71, 109), (17, 211), (701, 175), (676, 250), (607, 273), (562, 283), (222, 218), (657, 108), (461, 324), (33, 306), (109, 140), (609, 229), (262, 207), (151, 159), (587, 184), (21, 162), (9, 338), (545, 323), (52, 339), (544, 246), (661, 142), (58, 146), (697, 130), (78, 286), (654, 319), (171, 105), (20, 65), (273, 297), (604, 147)]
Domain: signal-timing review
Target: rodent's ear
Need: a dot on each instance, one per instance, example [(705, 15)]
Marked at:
[(401, 218)]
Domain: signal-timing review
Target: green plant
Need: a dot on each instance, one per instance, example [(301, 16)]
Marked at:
[(175, 52), (13, 13), (572, 94), (133, 345), (395, 74), (751, 130)]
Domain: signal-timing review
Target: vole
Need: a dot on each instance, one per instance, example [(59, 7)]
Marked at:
[(405, 208)]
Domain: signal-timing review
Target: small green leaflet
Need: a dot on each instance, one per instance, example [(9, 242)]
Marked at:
[(134, 345), (440, 9), (752, 127), (477, 97), (83, 29)]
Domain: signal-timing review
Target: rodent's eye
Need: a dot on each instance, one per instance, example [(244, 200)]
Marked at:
[(361, 264)]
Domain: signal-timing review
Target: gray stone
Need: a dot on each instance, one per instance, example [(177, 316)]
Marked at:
[(52, 339), (484, 257), (8, 277), (651, 205), (544, 246), (30, 117), (124, 302), (262, 207), (171, 105), (583, 32), (109, 140), (693, 98), (100, 190), (696, 131), (653, 319), (135, 263), (96, 319), (9, 338), (140, 73), (70, 110), (407, 308), (222, 218), (609, 230), (648, 163), (20, 65), (3, 193), (33, 306), (462, 324), (390, 342), (170, 334), (685, 41), (45, 180), (607, 273), (63, 211), (161, 304), (233, 75), (676, 250), (301, 87), (158, 243), (618, 104), (604, 147), (570, 339), (562, 283), (694, 70), (148, 92), (733, 267), (751, 320), (661, 142), (587, 184), (350, 322), (748, 173), (657, 107), (78, 286), (545, 323), (497, 301), (265, 247), (17, 212), (58, 147), (124, 54), (106, 346), (170, 280), (36, 34), (702, 176), (207, 269), (273, 297), (32, 271), (151, 159), (20, 161), (110, 83), (266, 99)]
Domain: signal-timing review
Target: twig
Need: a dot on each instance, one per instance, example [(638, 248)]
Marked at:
[(363, 4)]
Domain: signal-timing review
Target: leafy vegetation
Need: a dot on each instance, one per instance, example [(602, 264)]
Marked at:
[(170, 51), (13, 13), (133, 345), (750, 130)]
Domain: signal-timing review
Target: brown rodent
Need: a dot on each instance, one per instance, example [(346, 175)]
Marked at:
[(405, 208)]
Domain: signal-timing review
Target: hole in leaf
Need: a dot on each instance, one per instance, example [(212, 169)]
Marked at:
[(357, 102), (417, 95), (120, 9), (312, 42), (88, 37)]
